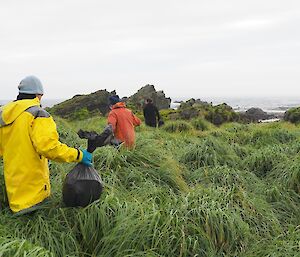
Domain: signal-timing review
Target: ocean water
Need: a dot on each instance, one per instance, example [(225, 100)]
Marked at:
[(268, 104), (45, 102)]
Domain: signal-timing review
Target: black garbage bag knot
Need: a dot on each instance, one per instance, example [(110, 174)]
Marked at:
[(83, 184)]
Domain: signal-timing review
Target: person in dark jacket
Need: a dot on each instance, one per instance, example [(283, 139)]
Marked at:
[(151, 114)]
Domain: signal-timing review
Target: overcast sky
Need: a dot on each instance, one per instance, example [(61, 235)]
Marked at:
[(192, 48)]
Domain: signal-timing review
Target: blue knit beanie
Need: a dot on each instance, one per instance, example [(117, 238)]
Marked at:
[(31, 85), (114, 99)]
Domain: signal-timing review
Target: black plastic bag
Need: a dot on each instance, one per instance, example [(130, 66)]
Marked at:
[(95, 140), (83, 185)]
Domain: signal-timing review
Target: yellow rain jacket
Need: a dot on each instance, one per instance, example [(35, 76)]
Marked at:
[(28, 137)]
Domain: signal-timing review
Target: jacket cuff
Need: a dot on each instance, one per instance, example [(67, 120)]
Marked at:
[(79, 155)]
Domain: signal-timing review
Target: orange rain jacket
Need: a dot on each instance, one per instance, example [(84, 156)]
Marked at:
[(123, 122)]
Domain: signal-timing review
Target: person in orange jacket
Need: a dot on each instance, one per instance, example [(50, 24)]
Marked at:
[(122, 121)]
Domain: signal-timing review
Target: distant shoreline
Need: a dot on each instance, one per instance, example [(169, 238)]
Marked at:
[(277, 106)]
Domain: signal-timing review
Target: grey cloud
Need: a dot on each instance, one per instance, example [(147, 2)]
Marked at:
[(202, 47)]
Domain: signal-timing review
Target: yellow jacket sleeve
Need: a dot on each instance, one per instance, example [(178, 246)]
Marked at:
[(1, 150), (46, 142)]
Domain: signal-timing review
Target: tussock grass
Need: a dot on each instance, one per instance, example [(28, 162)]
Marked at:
[(285, 203), (177, 126), (208, 152), (201, 124), (288, 174), (286, 244), (263, 161), (224, 176), (18, 247), (226, 191)]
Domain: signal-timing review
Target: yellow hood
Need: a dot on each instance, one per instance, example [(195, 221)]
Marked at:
[(28, 138), (10, 112)]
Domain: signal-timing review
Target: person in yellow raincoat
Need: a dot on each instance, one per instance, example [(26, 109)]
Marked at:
[(28, 138)]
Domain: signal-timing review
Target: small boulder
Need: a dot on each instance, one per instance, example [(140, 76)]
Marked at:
[(255, 115)]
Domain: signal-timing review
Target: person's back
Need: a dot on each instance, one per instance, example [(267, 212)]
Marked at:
[(151, 114), (19, 154), (123, 122), (28, 137)]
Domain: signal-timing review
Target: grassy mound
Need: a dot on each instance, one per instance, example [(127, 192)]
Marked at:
[(263, 161), (178, 126), (201, 124), (228, 191), (208, 152)]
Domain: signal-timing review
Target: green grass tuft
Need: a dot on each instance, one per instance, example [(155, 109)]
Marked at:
[(209, 191)]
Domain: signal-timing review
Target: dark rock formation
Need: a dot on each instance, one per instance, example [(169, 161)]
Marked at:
[(217, 114), (193, 103), (255, 115), (80, 106), (188, 113), (192, 108), (158, 97), (221, 113), (94, 102)]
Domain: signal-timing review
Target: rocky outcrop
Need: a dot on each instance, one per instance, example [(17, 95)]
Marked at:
[(292, 115), (188, 113), (193, 103), (221, 113), (216, 114), (81, 106), (94, 102), (158, 97), (192, 108), (255, 115)]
